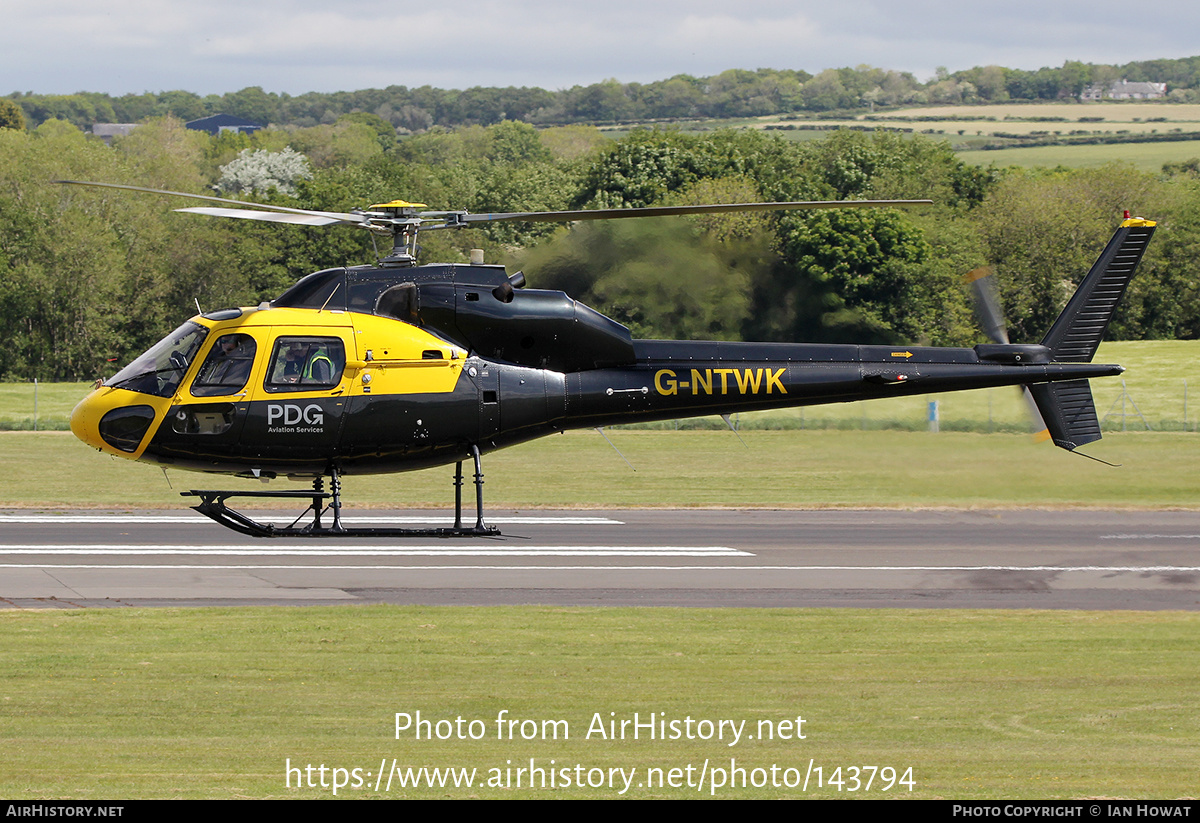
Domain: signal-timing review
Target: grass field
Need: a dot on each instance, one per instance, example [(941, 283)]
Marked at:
[(53, 402), (802, 458), (216, 702), (1145, 156), (1034, 127), (776, 469), (1155, 379), (969, 127), (1112, 110)]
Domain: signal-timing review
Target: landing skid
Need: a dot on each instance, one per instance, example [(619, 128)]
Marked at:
[(212, 505)]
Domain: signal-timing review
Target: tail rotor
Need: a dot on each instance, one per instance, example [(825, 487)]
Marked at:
[(986, 300)]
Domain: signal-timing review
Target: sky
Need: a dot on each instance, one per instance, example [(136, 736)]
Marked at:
[(295, 46)]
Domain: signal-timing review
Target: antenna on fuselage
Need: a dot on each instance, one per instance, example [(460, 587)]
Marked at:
[(614, 445), (729, 422)]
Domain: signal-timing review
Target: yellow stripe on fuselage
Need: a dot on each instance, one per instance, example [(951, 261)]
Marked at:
[(384, 355)]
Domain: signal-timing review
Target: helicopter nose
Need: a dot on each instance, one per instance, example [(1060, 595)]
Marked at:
[(104, 421), (84, 422)]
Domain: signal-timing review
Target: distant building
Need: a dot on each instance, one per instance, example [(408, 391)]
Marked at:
[(107, 131), (1124, 90), (1137, 91), (218, 123)]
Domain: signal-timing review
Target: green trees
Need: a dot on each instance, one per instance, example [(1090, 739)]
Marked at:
[(866, 260), (863, 274), (658, 277), (61, 258), (731, 93), (11, 116), (89, 275), (1043, 229), (90, 278)]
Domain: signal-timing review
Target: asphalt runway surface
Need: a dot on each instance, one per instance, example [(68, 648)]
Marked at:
[(905, 559)]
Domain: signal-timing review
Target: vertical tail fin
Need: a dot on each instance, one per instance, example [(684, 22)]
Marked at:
[(1067, 408), (1076, 333), (1068, 411)]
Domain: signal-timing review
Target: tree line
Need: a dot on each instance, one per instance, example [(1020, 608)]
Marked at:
[(732, 93), (90, 278)]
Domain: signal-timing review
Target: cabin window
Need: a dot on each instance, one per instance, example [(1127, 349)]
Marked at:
[(227, 367), (306, 364)]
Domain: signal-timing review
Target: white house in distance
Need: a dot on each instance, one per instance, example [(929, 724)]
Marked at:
[(1124, 90)]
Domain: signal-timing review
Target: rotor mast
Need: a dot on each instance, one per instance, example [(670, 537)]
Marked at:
[(402, 220)]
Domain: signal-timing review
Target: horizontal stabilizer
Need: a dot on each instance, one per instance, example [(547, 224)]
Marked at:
[(1076, 333), (1068, 411)]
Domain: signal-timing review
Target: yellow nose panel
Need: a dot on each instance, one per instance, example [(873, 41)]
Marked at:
[(91, 410)]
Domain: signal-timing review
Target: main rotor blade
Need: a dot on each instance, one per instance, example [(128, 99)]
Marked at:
[(334, 217), (303, 219), (670, 211)]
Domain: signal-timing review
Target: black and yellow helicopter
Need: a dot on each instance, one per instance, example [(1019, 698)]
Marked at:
[(394, 367)]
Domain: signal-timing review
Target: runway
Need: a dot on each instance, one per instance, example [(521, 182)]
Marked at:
[(906, 559)]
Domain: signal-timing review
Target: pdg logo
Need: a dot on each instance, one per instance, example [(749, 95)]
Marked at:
[(290, 414)]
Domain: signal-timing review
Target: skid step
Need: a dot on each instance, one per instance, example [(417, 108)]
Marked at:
[(212, 505)]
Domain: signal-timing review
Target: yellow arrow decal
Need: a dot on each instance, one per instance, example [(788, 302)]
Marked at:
[(904, 354)]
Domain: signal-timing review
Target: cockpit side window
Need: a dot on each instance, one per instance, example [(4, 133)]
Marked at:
[(227, 367), (306, 363)]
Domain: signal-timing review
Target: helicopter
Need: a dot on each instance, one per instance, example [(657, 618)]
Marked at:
[(398, 366)]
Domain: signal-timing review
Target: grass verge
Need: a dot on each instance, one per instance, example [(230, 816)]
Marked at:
[(1157, 376), (789, 458), (215, 702), (775, 469)]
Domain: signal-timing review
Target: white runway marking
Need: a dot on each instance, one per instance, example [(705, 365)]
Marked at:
[(544, 552), (1150, 537), (314, 551), (201, 520), (375, 567)]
